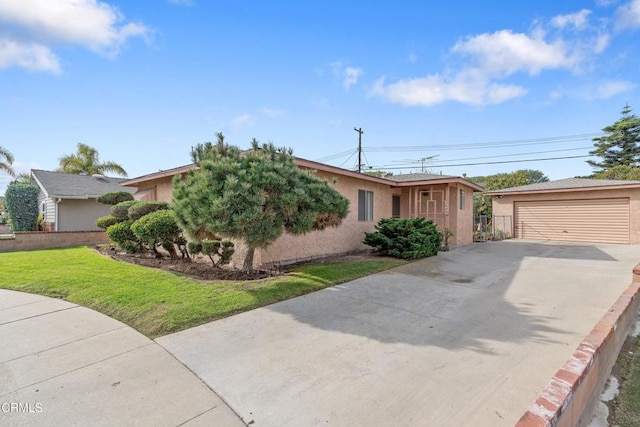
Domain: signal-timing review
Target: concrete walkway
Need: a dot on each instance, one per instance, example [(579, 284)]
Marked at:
[(65, 365), (468, 338)]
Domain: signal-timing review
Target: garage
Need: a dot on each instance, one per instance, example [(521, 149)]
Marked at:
[(592, 220), (572, 210)]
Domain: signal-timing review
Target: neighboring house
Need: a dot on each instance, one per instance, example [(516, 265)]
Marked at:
[(67, 201), (574, 209), (447, 200)]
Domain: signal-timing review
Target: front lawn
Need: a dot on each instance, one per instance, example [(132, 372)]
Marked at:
[(157, 302)]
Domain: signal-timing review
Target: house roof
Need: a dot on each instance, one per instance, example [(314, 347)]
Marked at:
[(72, 186), (568, 184), (393, 181)]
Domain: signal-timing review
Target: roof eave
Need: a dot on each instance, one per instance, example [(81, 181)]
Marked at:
[(561, 190)]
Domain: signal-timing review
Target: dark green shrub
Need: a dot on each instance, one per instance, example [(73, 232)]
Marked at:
[(157, 228), (218, 251), (115, 197), (121, 210), (121, 234), (106, 221), (21, 203), (405, 238), (140, 209)]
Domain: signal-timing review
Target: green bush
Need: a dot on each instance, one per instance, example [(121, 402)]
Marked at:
[(140, 209), (121, 234), (106, 221), (21, 203), (115, 197), (218, 251), (121, 210), (405, 238), (157, 228)]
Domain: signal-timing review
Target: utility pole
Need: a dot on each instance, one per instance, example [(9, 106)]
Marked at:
[(360, 132)]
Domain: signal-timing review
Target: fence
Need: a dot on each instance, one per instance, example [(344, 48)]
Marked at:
[(26, 241)]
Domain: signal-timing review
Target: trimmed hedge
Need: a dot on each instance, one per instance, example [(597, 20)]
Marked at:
[(218, 251), (106, 221), (140, 209), (115, 197), (121, 210), (411, 238), (121, 234), (157, 228), (21, 203)]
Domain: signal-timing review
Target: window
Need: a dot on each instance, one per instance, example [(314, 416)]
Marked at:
[(461, 199), (395, 206), (43, 211), (365, 205)]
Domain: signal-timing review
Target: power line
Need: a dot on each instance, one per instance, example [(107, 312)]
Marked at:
[(499, 162), (495, 157), (336, 156)]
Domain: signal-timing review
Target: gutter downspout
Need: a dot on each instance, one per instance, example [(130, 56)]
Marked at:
[(56, 213)]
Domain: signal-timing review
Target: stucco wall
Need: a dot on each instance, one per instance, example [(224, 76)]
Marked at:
[(345, 238), (80, 215), (462, 218), (505, 205), (27, 241)]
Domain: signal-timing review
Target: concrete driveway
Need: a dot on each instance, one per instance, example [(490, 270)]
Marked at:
[(468, 338)]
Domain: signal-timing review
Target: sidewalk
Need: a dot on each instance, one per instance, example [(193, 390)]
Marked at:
[(63, 364)]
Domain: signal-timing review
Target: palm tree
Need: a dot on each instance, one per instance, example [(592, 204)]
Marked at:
[(87, 161), (6, 160)]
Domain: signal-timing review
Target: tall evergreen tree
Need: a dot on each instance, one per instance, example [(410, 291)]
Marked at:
[(254, 195), (620, 145), (6, 161), (87, 161)]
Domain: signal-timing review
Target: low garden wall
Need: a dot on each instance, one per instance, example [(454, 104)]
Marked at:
[(25, 241), (571, 395)]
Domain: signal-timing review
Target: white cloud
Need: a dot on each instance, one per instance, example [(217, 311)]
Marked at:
[(612, 88), (628, 15), (31, 57), (348, 74), (503, 53), (467, 87), (241, 121), (606, 3), (578, 20), (272, 112), (351, 75), (89, 23)]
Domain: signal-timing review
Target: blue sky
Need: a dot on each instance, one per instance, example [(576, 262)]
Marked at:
[(465, 81)]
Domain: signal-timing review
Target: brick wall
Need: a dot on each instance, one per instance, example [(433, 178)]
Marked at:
[(570, 396), (25, 241)]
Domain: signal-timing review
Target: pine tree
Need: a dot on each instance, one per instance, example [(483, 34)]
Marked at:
[(255, 195), (620, 145)]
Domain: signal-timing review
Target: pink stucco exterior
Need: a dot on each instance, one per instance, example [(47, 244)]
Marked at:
[(438, 200), (505, 204)]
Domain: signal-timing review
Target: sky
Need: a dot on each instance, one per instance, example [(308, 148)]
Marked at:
[(455, 87)]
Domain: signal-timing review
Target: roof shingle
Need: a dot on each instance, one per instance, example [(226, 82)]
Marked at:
[(66, 185)]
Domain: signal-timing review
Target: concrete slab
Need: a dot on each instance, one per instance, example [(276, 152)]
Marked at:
[(76, 367), (33, 309), (14, 299), (468, 338)]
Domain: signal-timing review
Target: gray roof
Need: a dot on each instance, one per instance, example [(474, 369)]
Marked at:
[(71, 186), (407, 177), (565, 184)]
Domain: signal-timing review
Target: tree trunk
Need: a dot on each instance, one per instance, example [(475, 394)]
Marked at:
[(248, 260)]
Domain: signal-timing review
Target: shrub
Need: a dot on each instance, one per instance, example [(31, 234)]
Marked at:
[(115, 197), (405, 238), (218, 251), (21, 203), (120, 211), (140, 209), (157, 228), (106, 221), (121, 234)]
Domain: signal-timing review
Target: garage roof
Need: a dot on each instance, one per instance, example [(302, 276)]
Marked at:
[(568, 184)]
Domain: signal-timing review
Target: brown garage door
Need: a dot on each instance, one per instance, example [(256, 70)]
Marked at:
[(593, 220)]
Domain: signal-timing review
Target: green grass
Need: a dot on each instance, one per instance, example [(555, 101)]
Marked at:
[(627, 404), (157, 302)]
